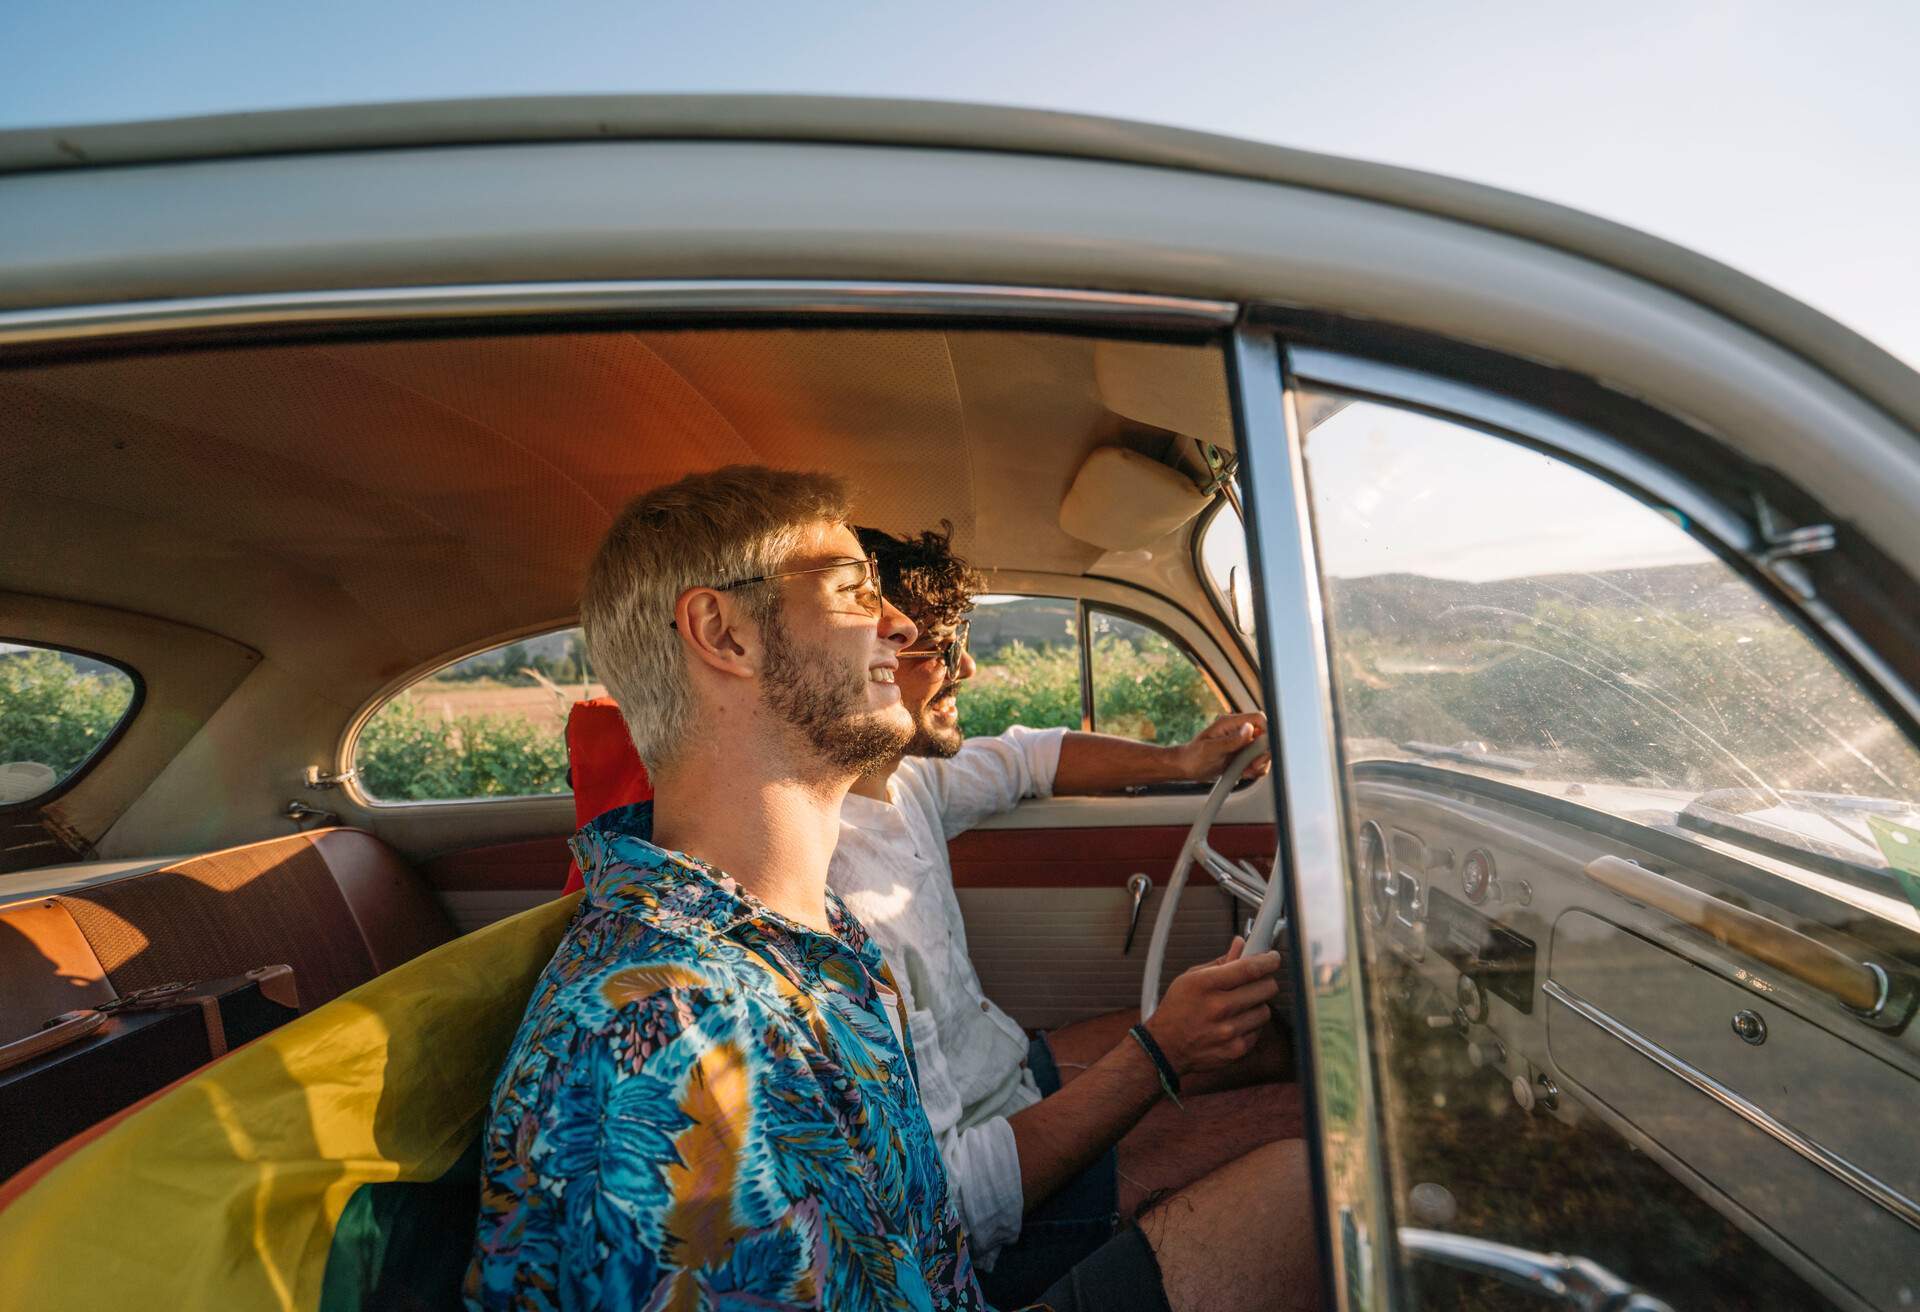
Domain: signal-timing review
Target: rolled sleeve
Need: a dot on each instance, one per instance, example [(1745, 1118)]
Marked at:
[(990, 775), (983, 1161)]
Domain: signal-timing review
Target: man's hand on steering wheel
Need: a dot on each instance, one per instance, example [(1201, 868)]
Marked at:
[(1212, 1014), (1208, 753)]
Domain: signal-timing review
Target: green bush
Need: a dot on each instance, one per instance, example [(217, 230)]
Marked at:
[(407, 755), (52, 713), (1143, 688)]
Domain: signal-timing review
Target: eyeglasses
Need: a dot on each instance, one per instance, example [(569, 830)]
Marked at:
[(867, 590), (952, 651)]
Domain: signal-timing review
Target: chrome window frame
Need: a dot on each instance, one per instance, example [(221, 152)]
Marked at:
[(1334, 1046)]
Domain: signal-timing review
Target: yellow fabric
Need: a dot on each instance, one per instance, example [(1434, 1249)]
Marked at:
[(225, 1192)]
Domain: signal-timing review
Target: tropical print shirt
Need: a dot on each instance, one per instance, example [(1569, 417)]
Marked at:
[(709, 1106)]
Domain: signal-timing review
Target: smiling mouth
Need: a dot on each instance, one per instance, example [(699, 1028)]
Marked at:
[(880, 674)]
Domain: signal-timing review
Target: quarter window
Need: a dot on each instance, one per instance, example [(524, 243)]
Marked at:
[(57, 710), (488, 725), (1145, 687)]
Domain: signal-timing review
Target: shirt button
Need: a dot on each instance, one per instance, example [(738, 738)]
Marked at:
[(983, 1004)]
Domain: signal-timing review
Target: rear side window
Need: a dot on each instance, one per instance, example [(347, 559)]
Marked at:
[(489, 725), (58, 709)]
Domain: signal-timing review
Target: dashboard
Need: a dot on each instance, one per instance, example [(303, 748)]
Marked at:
[(1578, 969)]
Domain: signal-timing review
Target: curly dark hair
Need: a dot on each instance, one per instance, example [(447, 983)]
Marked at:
[(921, 575)]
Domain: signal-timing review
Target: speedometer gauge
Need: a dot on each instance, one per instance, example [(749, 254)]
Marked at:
[(1476, 876)]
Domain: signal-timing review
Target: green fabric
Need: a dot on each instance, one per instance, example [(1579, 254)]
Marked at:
[(404, 1244), (1901, 846)]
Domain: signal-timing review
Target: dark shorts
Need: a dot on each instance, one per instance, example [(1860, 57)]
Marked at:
[(1071, 1253)]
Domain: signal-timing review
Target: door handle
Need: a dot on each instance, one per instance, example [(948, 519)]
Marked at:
[(1138, 885)]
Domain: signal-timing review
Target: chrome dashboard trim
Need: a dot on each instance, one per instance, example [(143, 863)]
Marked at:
[(1861, 1182), (614, 297), (1388, 382), (1345, 1134)]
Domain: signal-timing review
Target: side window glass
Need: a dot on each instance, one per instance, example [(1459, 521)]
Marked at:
[(1144, 686), (1027, 656), (1223, 563), (1628, 878), (57, 709), (489, 725)]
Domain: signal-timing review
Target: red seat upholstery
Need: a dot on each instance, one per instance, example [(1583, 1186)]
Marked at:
[(606, 771)]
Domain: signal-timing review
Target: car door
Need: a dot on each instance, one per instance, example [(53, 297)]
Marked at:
[(1596, 819), (1060, 894)]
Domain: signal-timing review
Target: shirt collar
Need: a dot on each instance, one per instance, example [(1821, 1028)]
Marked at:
[(683, 895), (868, 813)]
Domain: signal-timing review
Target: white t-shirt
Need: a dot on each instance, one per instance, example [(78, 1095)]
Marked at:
[(891, 868)]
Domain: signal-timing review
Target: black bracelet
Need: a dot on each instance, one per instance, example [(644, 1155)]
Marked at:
[(1169, 1078)]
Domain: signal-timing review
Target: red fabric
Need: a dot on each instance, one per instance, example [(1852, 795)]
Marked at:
[(606, 771)]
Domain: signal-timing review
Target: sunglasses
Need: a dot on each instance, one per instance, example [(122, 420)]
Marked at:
[(952, 651)]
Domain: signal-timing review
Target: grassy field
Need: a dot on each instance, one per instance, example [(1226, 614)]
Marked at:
[(534, 704)]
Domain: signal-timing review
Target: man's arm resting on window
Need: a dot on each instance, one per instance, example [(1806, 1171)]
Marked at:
[(1103, 763)]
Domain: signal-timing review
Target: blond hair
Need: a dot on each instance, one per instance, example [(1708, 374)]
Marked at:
[(705, 530)]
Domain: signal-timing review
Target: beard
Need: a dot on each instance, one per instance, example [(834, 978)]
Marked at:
[(827, 705), (929, 741)]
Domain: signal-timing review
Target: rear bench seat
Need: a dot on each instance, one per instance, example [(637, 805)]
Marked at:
[(337, 905)]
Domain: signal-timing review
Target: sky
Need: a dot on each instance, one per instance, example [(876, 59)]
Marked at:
[(1783, 139)]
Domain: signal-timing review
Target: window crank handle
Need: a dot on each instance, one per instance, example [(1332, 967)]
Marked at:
[(1138, 885)]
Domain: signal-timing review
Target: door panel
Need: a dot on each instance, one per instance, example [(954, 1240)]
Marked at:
[(1050, 955), (1047, 911), (479, 885)]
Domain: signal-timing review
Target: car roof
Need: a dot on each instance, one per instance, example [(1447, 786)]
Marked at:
[(1846, 355)]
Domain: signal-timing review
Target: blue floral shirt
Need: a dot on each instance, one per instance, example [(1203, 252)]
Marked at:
[(708, 1106)]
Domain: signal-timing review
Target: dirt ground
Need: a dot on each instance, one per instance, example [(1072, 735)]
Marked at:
[(485, 697)]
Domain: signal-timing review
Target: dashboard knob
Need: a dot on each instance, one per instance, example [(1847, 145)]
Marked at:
[(1523, 1091), (1432, 1204), (1471, 997), (1486, 1052)]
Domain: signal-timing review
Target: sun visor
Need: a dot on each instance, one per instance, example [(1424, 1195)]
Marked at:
[(1182, 389), (1121, 500)]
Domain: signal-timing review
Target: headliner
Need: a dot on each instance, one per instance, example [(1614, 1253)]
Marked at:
[(355, 511)]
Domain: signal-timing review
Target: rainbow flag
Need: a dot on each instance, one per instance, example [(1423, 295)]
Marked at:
[(329, 1165)]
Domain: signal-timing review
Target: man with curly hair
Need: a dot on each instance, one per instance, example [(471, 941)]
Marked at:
[(1051, 1143)]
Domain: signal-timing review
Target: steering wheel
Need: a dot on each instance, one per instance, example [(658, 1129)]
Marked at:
[(1237, 877)]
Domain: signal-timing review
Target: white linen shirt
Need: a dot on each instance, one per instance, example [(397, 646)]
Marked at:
[(891, 869)]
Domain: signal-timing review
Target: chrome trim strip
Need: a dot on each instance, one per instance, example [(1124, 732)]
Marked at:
[(1868, 1186), (1443, 395), (630, 296), (1310, 800), (1578, 1282)]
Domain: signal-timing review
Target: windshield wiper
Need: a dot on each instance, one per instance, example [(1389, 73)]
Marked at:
[(1576, 1282), (1469, 754)]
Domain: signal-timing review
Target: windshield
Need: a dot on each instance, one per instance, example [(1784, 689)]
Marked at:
[(1502, 613)]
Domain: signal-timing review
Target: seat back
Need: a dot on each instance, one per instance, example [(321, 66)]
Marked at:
[(605, 771), (337, 905), (46, 967)]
